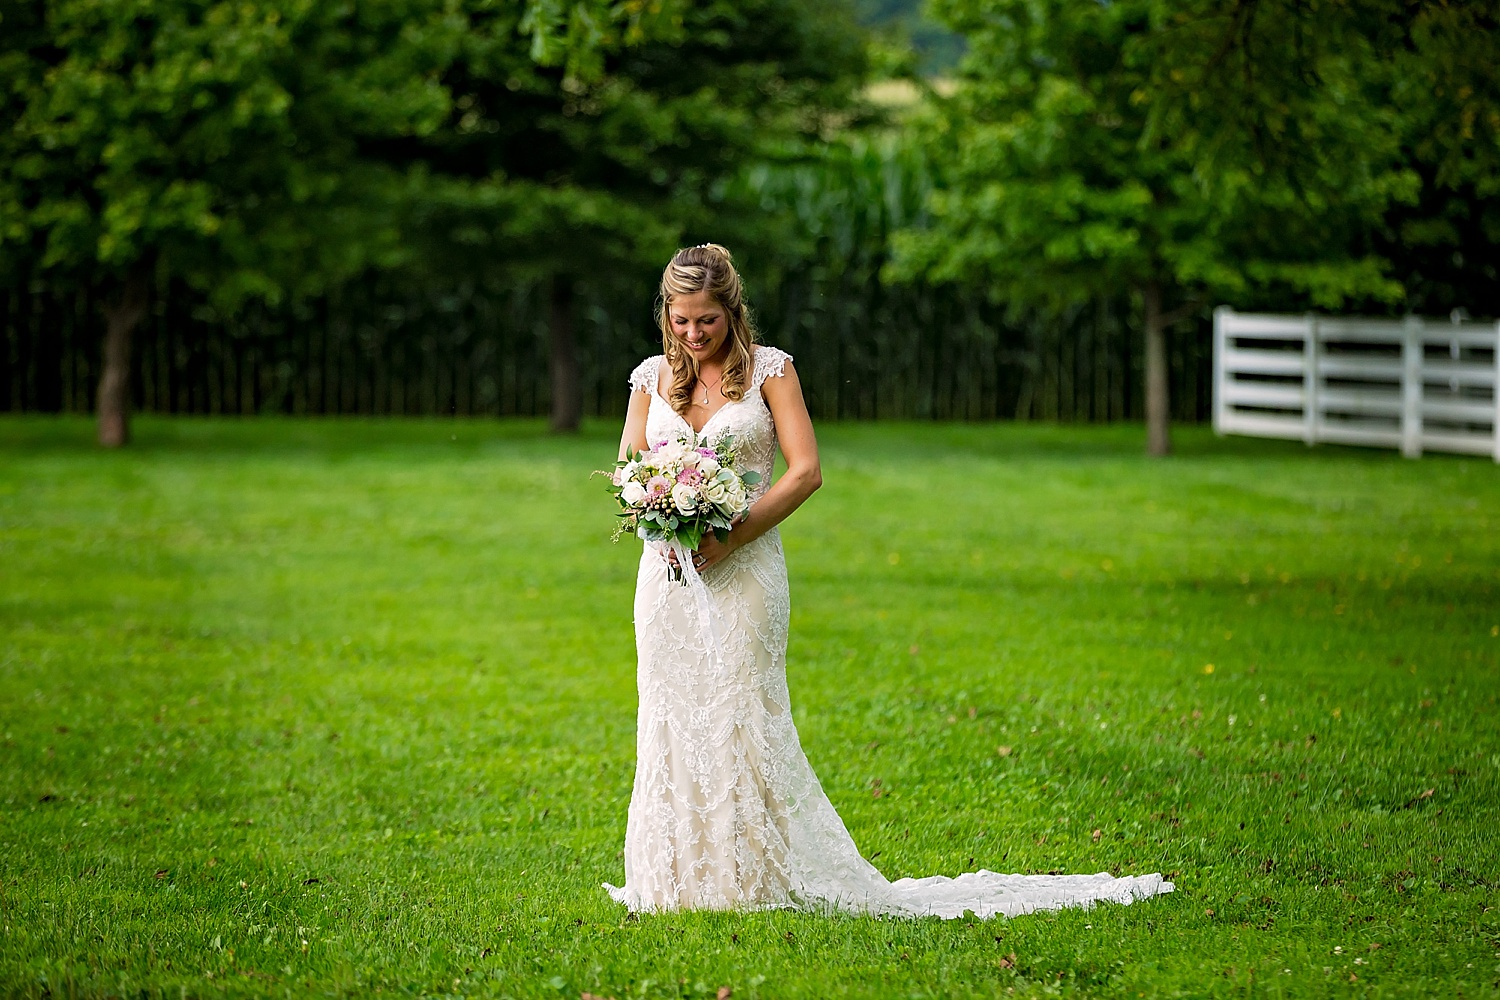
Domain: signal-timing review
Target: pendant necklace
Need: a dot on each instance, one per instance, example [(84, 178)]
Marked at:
[(707, 387)]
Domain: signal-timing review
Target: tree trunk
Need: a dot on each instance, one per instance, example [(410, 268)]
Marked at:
[(121, 314), (567, 399), (1158, 414)]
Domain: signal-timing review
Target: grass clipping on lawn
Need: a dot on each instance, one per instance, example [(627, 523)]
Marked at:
[(347, 707)]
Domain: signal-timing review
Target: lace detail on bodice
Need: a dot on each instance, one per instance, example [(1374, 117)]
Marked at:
[(748, 419), (646, 374)]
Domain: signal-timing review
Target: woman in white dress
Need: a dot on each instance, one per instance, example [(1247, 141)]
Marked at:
[(726, 812)]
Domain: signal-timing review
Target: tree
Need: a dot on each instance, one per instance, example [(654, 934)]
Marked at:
[(1444, 85), (594, 174), (217, 144), (1178, 150), (242, 149), (1432, 91)]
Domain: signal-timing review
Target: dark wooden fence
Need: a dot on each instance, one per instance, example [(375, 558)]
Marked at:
[(863, 353)]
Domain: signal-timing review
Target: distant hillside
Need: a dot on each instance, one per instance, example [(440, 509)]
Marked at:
[(938, 48)]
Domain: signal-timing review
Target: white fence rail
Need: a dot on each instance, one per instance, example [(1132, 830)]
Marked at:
[(1414, 384)]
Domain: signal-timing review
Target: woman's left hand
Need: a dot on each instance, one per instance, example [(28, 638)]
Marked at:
[(711, 550)]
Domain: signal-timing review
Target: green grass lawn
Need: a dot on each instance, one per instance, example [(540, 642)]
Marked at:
[(346, 708)]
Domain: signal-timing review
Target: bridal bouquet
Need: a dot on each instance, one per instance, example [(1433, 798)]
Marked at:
[(679, 492)]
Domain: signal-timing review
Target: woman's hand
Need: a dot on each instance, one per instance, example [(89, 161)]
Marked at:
[(710, 550)]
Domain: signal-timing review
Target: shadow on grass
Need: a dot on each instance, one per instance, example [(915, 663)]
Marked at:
[(1121, 442), (349, 436), (161, 435)]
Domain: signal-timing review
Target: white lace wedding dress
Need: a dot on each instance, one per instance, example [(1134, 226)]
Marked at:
[(726, 811)]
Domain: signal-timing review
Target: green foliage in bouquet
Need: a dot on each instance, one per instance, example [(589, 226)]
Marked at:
[(661, 513)]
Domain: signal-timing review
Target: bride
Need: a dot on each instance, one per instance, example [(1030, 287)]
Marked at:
[(726, 811)]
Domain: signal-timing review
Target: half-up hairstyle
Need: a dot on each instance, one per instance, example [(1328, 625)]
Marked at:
[(706, 268)]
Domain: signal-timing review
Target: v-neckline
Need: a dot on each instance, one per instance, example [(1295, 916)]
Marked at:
[(656, 392), (697, 432)]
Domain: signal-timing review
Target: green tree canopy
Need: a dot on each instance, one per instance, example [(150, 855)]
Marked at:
[(221, 144), (284, 147), (574, 178), (1215, 148)]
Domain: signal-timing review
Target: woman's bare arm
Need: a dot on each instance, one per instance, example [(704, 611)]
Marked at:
[(633, 438), (794, 433)]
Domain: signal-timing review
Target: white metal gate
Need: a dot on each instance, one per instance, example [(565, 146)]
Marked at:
[(1414, 384)]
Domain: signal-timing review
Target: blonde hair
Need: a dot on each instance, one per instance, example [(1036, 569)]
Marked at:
[(705, 268)]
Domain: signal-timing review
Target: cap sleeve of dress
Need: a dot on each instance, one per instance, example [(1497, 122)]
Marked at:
[(644, 378), (769, 362)]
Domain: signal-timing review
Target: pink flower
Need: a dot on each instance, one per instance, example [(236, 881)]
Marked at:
[(659, 485), (690, 476), (706, 452)]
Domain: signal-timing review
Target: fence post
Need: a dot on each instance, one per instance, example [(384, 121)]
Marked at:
[(1312, 353), (1495, 427), (1411, 388), (1221, 344)]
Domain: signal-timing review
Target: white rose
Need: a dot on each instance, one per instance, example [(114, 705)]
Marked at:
[(708, 466), (715, 492), (685, 498), (737, 496), (633, 493)]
